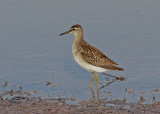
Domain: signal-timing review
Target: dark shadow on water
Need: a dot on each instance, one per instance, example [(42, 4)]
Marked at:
[(115, 78), (121, 78)]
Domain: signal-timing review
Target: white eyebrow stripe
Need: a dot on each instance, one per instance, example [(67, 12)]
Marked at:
[(77, 28)]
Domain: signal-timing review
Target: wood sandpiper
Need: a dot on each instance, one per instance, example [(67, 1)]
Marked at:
[(89, 57)]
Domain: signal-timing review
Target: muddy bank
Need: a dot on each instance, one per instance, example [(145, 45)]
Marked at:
[(20, 103)]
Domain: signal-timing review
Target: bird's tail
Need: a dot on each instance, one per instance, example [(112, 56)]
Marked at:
[(113, 68)]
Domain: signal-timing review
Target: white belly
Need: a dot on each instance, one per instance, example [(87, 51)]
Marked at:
[(87, 66)]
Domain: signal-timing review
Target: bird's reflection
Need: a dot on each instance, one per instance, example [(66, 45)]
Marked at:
[(115, 78), (93, 94)]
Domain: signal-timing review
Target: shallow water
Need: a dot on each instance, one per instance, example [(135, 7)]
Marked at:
[(32, 52)]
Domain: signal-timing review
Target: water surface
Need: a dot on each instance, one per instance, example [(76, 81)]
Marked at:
[(32, 52)]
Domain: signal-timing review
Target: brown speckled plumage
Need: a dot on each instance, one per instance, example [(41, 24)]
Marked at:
[(95, 57)]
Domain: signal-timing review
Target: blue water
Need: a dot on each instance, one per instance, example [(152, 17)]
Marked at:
[(32, 52)]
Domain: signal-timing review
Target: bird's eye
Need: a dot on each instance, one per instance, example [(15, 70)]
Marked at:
[(73, 29)]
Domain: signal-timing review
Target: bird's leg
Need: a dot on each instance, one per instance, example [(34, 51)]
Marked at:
[(92, 80), (97, 80)]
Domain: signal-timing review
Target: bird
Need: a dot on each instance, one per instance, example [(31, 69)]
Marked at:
[(89, 57)]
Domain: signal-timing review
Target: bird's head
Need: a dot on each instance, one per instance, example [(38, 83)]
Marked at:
[(75, 29)]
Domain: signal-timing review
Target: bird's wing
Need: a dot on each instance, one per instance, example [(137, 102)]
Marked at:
[(95, 57)]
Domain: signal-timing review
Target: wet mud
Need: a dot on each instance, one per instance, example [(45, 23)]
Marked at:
[(18, 102)]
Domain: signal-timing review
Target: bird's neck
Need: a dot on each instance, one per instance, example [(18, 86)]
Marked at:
[(78, 37)]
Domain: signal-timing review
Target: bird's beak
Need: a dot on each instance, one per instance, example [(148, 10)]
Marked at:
[(65, 32)]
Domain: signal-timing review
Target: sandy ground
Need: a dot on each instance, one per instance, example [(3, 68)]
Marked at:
[(21, 102)]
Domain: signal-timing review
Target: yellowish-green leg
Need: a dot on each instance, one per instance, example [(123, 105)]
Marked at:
[(97, 80), (92, 80)]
